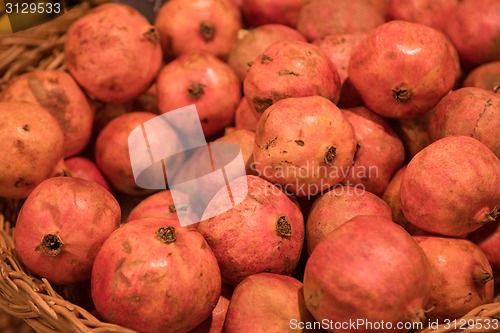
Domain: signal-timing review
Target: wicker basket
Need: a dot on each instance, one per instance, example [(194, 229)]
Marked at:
[(24, 297)]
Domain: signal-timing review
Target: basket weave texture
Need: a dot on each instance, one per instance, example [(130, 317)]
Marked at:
[(25, 298)]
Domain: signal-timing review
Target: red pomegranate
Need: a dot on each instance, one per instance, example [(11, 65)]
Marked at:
[(147, 265), (200, 78), (198, 25), (82, 167), (486, 76), (61, 227), (402, 69)]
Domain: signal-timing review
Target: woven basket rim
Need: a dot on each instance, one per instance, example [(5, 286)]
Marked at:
[(34, 300)]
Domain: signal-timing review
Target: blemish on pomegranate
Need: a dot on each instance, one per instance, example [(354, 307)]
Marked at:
[(287, 72), (172, 209), (265, 59), (299, 142), (126, 247), (271, 143), (207, 31), (283, 228), (261, 104), (26, 127)]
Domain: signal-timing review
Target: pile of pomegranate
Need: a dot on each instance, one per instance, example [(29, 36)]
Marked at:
[(370, 134)]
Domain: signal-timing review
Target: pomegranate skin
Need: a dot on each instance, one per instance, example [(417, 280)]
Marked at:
[(334, 208), (200, 78), (273, 302), (379, 154), (451, 187), (147, 265), (290, 69), (61, 227), (59, 94), (113, 52), (198, 25), (264, 233), (253, 42), (352, 272), (433, 13), (486, 76), (469, 111), (488, 240), (28, 135), (474, 29), (461, 277), (82, 167), (319, 18), (403, 69), (260, 12)]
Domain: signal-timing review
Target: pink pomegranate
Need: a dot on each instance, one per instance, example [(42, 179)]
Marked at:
[(469, 111), (488, 240), (31, 145), (112, 151), (391, 197), (474, 28), (461, 277), (290, 69), (161, 205), (61, 227), (433, 13), (338, 206), (312, 155), (486, 76), (274, 302), (244, 117), (379, 154), (451, 187), (253, 42), (198, 25), (264, 233), (84, 168), (59, 94), (319, 18), (402, 69), (214, 323), (147, 265), (113, 52), (201, 79), (260, 12), (352, 274)]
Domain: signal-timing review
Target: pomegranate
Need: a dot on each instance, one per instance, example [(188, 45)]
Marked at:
[(486, 76), (391, 197), (461, 277), (469, 111), (147, 265), (61, 227), (264, 233), (198, 25), (113, 52), (201, 79), (352, 272), (402, 69), (112, 151), (319, 18), (290, 69), (260, 12), (451, 187), (31, 145), (161, 205), (379, 154), (244, 118), (474, 27), (82, 167), (274, 302), (433, 13), (254, 42), (332, 209), (309, 157), (58, 93)]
